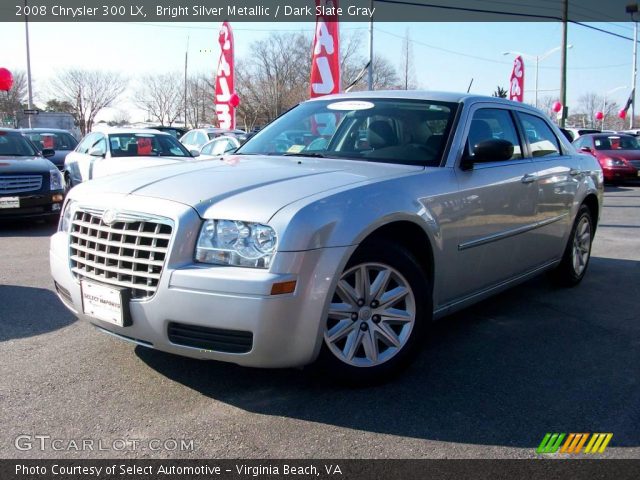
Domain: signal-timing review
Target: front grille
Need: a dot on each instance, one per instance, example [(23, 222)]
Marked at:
[(635, 163), (207, 338), (129, 253), (19, 183)]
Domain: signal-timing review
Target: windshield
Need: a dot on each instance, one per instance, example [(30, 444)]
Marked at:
[(614, 142), (53, 140), (377, 130), (15, 145), (145, 144)]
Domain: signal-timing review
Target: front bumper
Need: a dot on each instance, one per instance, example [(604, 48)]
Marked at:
[(35, 205), (620, 173), (286, 329)]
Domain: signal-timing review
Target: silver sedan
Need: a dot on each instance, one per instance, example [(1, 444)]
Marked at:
[(338, 233)]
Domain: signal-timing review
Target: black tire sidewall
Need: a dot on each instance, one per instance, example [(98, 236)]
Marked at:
[(387, 253)]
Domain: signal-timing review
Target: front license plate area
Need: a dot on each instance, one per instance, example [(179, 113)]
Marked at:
[(106, 303), (9, 202)]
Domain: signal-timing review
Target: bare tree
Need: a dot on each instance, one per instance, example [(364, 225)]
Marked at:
[(161, 96), (406, 67), (11, 102), (120, 118), (88, 92), (200, 100)]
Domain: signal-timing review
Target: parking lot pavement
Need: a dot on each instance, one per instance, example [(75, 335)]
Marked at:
[(491, 382)]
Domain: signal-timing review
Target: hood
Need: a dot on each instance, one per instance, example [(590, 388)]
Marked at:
[(626, 154), (115, 165), (15, 165), (243, 187)]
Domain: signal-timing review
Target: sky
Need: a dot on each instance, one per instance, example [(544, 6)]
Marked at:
[(446, 56)]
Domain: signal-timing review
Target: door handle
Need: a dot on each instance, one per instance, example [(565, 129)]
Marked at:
[(529, 178), (574, 172)]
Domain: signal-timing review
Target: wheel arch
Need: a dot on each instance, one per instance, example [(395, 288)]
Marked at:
[(591, 201)]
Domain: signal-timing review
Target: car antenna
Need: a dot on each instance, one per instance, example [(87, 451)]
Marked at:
[(470, 83)]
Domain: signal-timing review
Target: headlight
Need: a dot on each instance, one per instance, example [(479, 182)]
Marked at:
[(56, 180), (614, 162), (231, 242), (67, 216)]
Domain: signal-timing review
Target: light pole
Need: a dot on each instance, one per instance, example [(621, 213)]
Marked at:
[(537, 59), (631, 9), (604, 103)]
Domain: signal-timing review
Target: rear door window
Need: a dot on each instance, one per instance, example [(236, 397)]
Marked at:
[(541, 138)]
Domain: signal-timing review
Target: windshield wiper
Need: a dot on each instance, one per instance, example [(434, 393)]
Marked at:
[(304, 154)]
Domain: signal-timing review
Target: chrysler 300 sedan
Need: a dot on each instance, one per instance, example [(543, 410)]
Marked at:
[(392, 209)]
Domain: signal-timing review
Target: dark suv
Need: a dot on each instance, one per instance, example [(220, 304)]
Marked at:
[(30, 185)]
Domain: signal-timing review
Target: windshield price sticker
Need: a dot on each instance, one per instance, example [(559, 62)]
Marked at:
[(350, 105)]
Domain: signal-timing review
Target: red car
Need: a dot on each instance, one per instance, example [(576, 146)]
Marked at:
[(618, 154)]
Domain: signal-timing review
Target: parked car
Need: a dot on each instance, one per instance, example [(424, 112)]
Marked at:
[(60, 141), (344, 254), (195, 139), (578, 132), (618, 154), (219, 146), (30, 185), (120, 150), (177, 132)]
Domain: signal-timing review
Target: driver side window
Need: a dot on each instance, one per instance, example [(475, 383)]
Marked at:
[(493, 123)]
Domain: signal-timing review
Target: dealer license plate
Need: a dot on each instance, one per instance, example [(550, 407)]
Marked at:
[(102, 302), (9, 202)]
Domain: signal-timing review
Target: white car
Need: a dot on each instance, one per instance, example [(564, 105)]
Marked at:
[(119, 150), (195, 139), (219, 146)]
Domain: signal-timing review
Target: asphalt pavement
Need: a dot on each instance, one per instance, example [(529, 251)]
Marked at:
[(490, 382)]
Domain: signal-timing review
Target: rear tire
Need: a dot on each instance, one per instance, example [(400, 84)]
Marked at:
[(575, 260), (378, 315)]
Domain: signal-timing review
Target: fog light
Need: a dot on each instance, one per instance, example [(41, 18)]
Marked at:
[(57, 198), (283, 287), (55, 207)]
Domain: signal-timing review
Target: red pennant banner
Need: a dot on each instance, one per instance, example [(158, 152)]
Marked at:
[(226, 98), (325, 61), (516, 90)]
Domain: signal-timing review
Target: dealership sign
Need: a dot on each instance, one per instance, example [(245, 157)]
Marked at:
[(325, 62), (516, 88), (225, 97)]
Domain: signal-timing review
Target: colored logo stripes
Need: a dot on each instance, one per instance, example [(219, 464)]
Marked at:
[(597, 442)]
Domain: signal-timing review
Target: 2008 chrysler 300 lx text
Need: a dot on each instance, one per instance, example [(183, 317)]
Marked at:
[(337, 233)]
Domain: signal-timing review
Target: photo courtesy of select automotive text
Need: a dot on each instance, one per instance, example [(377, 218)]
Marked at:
[(334, 239)]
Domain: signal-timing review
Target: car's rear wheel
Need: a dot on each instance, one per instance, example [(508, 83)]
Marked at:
[(377, 315), (577, 253)]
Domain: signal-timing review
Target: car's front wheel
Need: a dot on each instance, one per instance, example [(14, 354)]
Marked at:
[(377, 315)]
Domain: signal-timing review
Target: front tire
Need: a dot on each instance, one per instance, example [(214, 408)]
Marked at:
[(575, 260), (377, 316)]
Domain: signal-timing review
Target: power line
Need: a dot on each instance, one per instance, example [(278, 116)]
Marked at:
[(491, 60)]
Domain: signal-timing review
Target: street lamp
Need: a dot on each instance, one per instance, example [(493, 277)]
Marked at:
[(604, 103), (631, 9), (538, 59)]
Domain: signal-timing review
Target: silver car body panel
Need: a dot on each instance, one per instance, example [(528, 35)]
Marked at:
[(486, 229)]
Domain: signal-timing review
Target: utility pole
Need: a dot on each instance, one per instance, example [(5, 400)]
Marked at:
[(563, 60), (186, 60), (370, 71), (29, 89), (631, 9)]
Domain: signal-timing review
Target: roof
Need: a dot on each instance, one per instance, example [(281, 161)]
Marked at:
[(142, 131), (416, 95), (41, 129)]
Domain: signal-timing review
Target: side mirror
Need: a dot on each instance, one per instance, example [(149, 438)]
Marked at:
[(493, 150), (586, 149), (96, 152), (194, 153), (48, 152)]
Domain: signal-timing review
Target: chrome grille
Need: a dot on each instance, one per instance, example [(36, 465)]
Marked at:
[(19, 183), (130, 252)]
